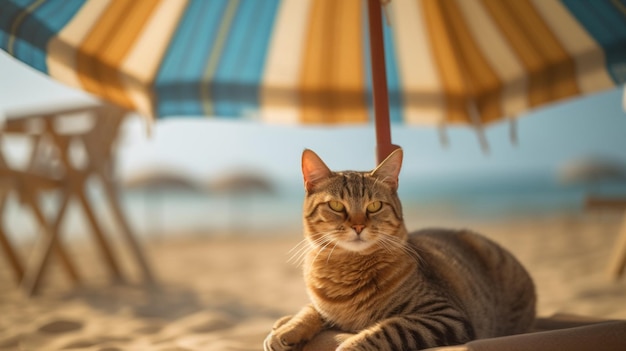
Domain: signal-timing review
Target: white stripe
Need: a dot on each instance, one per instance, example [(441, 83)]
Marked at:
[(142, 62), (62, 49), (422, 88), (281, 79), (591, 71), (499, 55)]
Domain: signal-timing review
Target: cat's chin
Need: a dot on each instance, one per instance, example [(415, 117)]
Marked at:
[(356, 245)]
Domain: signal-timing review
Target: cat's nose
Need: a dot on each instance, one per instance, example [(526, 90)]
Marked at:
[(358, 228)]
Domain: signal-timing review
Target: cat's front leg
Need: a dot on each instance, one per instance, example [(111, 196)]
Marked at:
[(290, 334), (411, 333)]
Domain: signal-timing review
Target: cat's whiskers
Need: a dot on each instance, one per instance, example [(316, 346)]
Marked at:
[(306, 245), (304, 242), (302, 245), (384, 245), (302, 248), (393, 244), (322, 249), (325, 236), (390, 245), (401, 244), (331, 251), (297, 250)]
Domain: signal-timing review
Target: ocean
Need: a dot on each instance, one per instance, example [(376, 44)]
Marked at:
[(160, 212)]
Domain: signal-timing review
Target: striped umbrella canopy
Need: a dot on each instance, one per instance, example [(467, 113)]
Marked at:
[(308, 61)]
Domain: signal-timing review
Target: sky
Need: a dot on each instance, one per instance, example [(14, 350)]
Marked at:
[(593, 126)]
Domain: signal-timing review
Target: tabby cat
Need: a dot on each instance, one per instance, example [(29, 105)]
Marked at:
[(391, 290)]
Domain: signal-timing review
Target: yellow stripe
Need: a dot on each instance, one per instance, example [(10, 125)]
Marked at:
[(63, 48), (107, 45), (125, 37), (349, 64), (587, 54), (446, 58), (216, 53), (332, 74), (499, 55), (559, 62), (447, 55), (551, 70), (144, 58), (484, 85), (18, 22), (312, 65), (472, 82)]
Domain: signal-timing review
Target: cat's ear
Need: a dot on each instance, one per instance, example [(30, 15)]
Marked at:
[(389, 170), (313, 169)]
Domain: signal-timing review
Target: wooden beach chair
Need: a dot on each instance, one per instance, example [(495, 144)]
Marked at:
[(28, 184), (617, 263), (51, 168)]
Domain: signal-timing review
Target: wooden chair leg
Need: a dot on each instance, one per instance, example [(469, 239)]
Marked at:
[(126, 230), (11, 255), (618, 260), (78, 180), (99, 150), (9, 251), (40, 259), (100, 238)]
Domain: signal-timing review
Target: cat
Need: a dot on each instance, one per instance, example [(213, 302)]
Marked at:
[(391, 290)]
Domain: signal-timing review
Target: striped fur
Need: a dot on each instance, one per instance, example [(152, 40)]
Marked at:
[(391, 290)]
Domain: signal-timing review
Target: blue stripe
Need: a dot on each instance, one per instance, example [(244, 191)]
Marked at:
[(37, 29), (8, 11), (393, 77), (391, 69), (30, 49), (606, 23), (41, 27), (177, 86), (236, 85)]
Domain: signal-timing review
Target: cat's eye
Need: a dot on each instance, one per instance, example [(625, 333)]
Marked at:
[(336, 206), (374, 206)]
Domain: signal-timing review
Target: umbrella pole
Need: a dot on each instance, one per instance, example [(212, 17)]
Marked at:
[(384, 147)]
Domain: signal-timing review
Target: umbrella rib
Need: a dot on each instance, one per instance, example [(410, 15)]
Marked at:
[(216, 53), (18, 22)]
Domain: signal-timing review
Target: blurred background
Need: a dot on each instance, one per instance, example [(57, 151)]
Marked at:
[(216, 202), (214, 177)]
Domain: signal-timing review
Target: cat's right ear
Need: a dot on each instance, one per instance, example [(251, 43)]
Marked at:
[(313, 169), (389, 170)]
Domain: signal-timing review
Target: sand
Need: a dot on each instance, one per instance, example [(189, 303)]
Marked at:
[(224, 292)]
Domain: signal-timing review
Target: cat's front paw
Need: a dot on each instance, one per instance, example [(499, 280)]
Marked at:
[(291, 333), (283, 337)]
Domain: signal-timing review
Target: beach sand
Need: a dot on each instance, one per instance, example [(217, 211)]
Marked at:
[(224, 292)]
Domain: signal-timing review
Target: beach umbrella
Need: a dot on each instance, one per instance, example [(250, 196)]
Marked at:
[(242, 182), (592, 170), (443, 62), (156, 182), (241, 186)]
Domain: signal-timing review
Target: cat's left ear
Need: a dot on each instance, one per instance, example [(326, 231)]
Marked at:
[(313, 169), (389, 170)]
